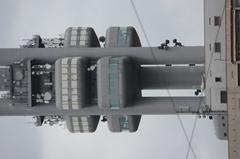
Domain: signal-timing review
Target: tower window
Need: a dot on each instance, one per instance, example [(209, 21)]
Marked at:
[(218, 79), (225, 134), (217, 47), (223, 95), (217, 21), (210, 21)]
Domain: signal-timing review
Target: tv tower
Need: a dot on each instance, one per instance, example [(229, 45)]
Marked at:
[(81, 79)]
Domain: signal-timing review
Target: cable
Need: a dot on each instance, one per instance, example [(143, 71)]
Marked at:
[(153, 55), (191, 137)]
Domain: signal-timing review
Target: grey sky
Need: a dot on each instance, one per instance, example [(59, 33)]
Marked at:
[(158, 136)]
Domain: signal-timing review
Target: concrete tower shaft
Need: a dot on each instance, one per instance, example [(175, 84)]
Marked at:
[(83, 81)]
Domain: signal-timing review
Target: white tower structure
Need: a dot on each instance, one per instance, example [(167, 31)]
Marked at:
[(75, 80)]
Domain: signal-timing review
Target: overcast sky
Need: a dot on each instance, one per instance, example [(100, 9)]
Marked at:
[(158, 136)]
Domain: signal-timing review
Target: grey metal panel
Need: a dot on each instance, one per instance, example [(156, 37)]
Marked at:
[(220, 125), (21, 93), (103, 82), (58, 83), (134, 121), (75, 90), (69, 123), (29, 87), (115, 126), (171, 77), (67, 36), (184, 55), (80, 37), (116, 88), (113, 123), (148, 105), (122, 37), (112, 37), (82, 124)]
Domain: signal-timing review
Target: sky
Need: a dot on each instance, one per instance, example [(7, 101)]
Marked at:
[(158, 136)]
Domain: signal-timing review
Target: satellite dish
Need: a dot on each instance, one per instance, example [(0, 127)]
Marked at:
[(18, 75), (102, 39)]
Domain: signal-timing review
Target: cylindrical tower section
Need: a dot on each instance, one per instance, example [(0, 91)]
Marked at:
[(80, 37), (122, 76), (82, 124), (171, 77), (122, 37)]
